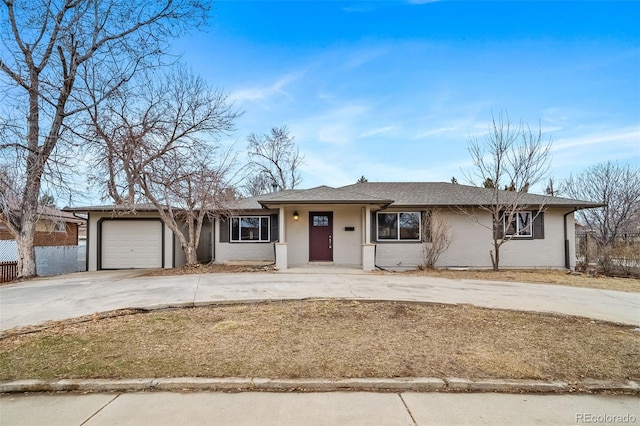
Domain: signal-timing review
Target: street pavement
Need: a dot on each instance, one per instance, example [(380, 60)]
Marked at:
[(329, 408), (85, 293)]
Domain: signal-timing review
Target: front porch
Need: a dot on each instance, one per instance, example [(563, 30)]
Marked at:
[(320, 236)]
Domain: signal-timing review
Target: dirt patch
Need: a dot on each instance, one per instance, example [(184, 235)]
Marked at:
[(211, 269), (537, 276), (328, 339)]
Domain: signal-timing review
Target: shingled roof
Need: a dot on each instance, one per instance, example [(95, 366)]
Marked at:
[(323, 195), (383, 194), (449, 194), (401, 194), (139, 207)]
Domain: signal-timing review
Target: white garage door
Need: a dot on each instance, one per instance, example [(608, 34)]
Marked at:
[(131, 244)]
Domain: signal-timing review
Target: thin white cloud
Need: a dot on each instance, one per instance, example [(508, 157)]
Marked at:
[(628, 136), (255, 94), (435, 132), (378, 131), (318, 170), (336, 126)]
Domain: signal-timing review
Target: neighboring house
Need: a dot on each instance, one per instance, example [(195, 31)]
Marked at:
[(53, 228), (368, 225)]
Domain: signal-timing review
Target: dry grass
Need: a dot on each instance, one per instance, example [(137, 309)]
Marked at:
[(330, 339), (538, 276)]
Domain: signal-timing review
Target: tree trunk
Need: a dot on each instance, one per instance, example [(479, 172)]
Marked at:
[(191, 254), (495, 256), (26, 251)]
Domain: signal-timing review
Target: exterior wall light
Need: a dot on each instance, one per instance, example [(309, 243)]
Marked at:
[(295, 215)]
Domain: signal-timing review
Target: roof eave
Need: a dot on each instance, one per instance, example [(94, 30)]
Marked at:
[(266, 203), (577, 206)]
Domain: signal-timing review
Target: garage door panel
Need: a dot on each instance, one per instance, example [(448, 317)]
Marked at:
[(131, 244)]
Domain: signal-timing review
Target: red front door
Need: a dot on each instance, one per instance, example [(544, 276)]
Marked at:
[(321, 236)]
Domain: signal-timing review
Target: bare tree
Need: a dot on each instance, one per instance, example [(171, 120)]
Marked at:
[(56, 54), (47, 200), (158, 142), (514, 157), (618, 187), (258, 184), (436, 237), (186, 196), (276, 156)]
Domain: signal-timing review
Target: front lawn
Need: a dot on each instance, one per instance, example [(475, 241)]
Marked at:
[(327, 339), (538, 276)]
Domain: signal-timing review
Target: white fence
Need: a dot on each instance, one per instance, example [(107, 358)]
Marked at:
[(8, 251), (60, 260), (54, 260)]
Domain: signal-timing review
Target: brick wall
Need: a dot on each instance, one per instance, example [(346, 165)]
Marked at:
[(4, 234), (53, 238)]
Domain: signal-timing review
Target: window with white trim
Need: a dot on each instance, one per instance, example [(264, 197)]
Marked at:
[(398, 226), (520, 227), (250, 229)]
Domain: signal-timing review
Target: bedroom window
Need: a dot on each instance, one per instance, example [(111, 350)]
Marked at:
[(400, 226), (520, 226), (250, 229)]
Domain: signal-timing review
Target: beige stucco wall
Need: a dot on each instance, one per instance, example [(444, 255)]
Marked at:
[(226, 252), (471, 243), (397, 255), (469, 248), (92, 237), (347, 245)]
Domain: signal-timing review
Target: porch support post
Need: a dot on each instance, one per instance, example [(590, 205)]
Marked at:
[(281, 256), (281, 224), (368, 249), (281, 245), (367, 225)]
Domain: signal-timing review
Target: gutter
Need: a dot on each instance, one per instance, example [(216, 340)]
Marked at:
[(84, 219)]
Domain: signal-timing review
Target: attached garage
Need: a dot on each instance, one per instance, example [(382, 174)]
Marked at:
[(130, 243), (120, 239)]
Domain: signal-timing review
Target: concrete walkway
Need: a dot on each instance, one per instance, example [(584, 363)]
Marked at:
[(334, 408), (86, 293)]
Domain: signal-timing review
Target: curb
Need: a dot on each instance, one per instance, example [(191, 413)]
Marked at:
[(237, 384)]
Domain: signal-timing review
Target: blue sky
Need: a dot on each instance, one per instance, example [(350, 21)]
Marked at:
[(393, 90)]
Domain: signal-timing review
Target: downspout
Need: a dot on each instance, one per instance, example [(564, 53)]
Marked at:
[(567, 254)]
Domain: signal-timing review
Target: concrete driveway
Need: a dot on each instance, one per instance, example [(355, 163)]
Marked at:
[(86, 293)]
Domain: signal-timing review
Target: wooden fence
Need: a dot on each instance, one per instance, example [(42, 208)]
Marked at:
[(8, 271)]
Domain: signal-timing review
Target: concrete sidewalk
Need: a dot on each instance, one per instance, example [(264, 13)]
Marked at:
[(331, 408), (86, 293)]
